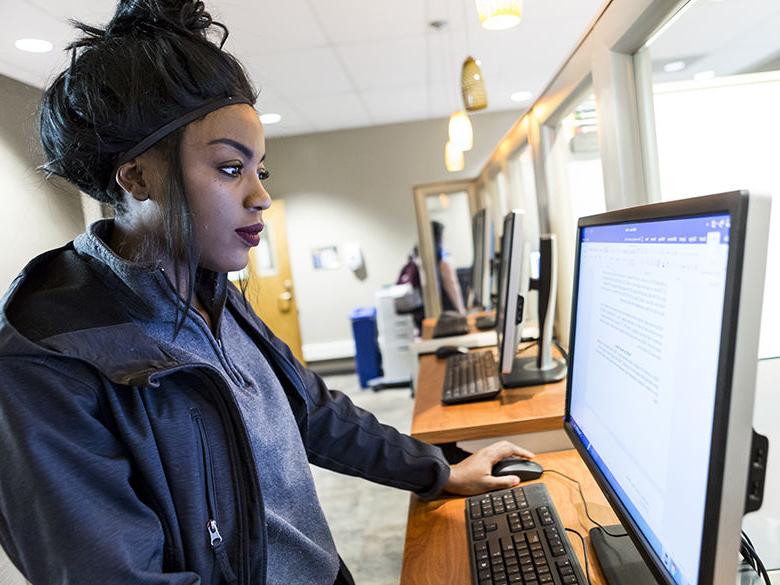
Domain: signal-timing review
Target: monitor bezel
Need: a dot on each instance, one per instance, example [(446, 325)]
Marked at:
[(513, 254), (480, 279), (735, 204)]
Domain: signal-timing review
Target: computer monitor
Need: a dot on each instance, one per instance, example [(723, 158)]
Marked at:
[(513, 280), (664, 341), (512, 307), (480, 271)]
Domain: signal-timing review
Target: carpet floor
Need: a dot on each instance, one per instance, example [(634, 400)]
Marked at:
[(368, 521)]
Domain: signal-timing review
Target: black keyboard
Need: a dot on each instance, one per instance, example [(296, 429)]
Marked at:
[(469, 377), (483, 323), (449, 326), (516, 537)]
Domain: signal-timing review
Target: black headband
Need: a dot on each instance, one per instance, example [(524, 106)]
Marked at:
[(182, 120)]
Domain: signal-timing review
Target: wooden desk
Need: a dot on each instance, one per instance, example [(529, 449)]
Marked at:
[(435, 551), (514, 411)]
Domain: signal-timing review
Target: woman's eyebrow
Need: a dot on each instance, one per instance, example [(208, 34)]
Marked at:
[(245, 150)]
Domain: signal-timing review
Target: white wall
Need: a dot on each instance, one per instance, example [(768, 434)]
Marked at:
[(723, 135), (36, 215), (356, 185)]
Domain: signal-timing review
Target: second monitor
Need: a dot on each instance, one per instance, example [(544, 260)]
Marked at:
[(514, 282)]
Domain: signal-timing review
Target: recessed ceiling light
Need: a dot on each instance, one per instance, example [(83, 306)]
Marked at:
[(704, 75), (521, 96), (34, 45), (270, 118), (674, 66)]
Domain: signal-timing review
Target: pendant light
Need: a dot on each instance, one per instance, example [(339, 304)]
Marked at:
[(472, 86), (453, 158), (460, 131), (499, 14)]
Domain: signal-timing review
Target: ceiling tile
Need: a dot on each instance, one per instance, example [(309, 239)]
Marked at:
[(348, 21), (396, 104), (386, 63), (300, 73), (267, 28), (333, 111)]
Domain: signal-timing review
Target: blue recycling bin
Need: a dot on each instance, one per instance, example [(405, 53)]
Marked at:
[(368, 359)]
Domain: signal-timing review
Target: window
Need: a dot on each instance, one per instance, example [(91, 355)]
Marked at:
[(522, 187), (576, 184), (715, 93)]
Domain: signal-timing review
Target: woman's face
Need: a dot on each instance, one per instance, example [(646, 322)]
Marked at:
[(222, 158)]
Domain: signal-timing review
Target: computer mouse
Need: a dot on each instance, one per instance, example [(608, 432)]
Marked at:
[(446, 351), (524, 469)]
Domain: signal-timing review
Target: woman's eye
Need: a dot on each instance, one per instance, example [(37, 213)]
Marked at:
[(263, 174), (231, 170)]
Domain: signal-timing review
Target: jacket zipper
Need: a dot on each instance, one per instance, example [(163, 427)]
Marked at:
[(236, 457), (225, 406), (212, 528)]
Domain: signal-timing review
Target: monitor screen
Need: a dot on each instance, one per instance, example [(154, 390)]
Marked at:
[(649, 312)]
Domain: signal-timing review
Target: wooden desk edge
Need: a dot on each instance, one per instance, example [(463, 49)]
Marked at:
[(502, 429)]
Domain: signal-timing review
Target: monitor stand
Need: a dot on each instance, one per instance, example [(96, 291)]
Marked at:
[(526, 372), (619, 559), (542, 369)]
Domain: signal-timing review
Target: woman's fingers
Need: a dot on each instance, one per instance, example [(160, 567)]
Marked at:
[(503, 449), (501, 483)]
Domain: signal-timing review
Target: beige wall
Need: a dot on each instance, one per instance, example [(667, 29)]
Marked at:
[(356, 185), (35, 215)]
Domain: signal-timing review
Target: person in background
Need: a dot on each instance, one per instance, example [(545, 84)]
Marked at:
[(153, 430), (451, 295)]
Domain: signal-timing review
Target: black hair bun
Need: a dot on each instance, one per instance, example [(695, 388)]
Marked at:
[(152, 63), (149, 17), (174, 15)]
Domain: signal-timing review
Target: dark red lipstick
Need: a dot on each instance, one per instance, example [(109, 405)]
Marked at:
[(250, 234)]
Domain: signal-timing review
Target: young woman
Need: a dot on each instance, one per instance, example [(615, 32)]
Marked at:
[(152, 429)]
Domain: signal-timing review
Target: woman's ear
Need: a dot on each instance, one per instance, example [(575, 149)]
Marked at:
[(134, 178)]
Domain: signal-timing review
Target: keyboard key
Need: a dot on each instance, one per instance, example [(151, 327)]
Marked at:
[(565, 571), (558, 551)]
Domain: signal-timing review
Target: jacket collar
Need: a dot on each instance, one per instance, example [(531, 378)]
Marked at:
[(68, 304), (148, 281)]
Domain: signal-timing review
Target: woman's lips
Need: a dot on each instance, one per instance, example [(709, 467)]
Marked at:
[(250, 234)]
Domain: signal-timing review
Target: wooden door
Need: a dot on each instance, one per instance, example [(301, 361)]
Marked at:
[(270, 288)]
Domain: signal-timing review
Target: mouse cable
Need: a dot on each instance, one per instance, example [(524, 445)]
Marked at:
[(746, 547), (751, 557), (584, 552), (532, 343), (564, 353), (585, 504)]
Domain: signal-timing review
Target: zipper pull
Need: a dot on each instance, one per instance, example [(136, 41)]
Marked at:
[(214, 536)]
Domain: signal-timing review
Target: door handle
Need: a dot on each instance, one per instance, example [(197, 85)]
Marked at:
[(284, 301)]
